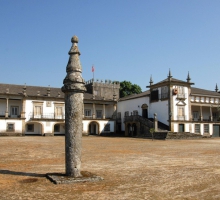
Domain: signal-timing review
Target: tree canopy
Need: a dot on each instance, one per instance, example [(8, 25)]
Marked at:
[(127, 88)]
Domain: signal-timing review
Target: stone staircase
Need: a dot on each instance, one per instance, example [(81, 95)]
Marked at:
[(145, 125)]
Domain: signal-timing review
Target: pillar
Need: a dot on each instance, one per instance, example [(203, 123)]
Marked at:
[(103, 111), (201, 116), (6, 112), (155, 122), (93, 112), (211, 117), (73, 88)]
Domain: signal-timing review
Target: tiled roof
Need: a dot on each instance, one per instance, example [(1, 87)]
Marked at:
[(194, 91), (134, 96), (199, 91), (172, 80), (32, 91)]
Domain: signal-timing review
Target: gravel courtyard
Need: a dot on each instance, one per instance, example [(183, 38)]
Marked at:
[(132, 168)]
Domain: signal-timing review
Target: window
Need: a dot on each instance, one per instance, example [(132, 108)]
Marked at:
[(58, 112), (87, 113), (154, 95), (206, 128), (10, 126), (107, 127), (98, 113), (164, 92), (181, 115), (56, 128), (197, 128), (180, 89), (215, 115), (14, 111), (181, 93), (195, 115), (30, 127), (37, 111)]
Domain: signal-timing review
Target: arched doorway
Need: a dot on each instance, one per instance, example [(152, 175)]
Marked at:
[(134, 130), (144, 110), (129, 130), (33, 128), (93, 128), (59, 129)]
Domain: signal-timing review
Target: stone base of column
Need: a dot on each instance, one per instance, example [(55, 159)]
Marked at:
[(59, 178)]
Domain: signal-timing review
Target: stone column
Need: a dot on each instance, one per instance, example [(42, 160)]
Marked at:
[(103, 117), (201, 116), (23, 108), (211, 117), (93, 112), (23, 115), (155, 122), (6, 112), (74, 87), (114, 111)]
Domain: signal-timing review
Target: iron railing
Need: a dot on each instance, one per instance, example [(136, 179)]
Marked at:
[(46, 116)]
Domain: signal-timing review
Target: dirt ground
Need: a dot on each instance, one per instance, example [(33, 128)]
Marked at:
[(132, 168)]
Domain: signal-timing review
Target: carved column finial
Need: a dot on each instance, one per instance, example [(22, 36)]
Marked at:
[(169, 76), (216, 88), (151, 80), (188, 78)]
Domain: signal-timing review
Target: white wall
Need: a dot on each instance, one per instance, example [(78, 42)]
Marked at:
[(130, 106), (17, 125), (161, 108), (101, 124)]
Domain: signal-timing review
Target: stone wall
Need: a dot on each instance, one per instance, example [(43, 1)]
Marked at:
[(107, 89), (10, 134), (184, 135), (175, 135)]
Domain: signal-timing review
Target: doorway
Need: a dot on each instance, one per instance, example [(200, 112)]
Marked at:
[(181, 128), (216, 131), (144, 110)]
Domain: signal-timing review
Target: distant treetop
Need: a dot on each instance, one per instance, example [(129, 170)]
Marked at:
[(127, 88)]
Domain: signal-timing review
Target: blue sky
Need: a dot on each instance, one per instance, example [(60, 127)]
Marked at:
[(124, 40)]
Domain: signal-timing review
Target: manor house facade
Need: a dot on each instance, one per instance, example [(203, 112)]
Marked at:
[(175, 104), (32, 110)]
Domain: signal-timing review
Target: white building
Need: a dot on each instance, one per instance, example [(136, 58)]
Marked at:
[(174, 104), (26, 110), (178, 108)]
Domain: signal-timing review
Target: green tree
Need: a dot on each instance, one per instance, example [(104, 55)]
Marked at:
[(127, 88)]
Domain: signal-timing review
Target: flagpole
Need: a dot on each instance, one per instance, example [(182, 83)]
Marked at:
[(93, 71)]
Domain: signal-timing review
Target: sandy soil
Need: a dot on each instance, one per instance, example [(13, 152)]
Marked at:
[(132, 168)]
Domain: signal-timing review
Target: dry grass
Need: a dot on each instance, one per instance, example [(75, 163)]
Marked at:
[(131, 168)]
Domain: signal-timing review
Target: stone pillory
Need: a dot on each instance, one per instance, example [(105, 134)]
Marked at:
[(73, 87)]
